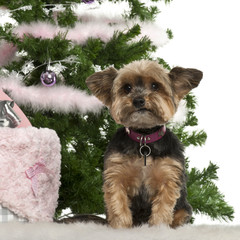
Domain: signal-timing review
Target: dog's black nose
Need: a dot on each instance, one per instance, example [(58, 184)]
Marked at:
[(138, 102)]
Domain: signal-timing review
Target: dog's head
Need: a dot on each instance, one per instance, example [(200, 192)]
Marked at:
[(142, 94)]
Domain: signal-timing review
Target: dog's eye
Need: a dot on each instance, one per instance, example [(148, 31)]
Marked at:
[(155, 86), (127, 88)]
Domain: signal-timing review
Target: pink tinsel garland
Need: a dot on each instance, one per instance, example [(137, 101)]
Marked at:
[(90, 27), (62, 99)]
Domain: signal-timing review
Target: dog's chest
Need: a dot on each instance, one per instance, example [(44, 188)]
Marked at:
[(139, 163), (149, 161)]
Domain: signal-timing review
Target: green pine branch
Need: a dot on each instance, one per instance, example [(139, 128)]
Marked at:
[(195, 138), (191, 101), (144, 13), (7, 34), (187, 137), (164, 63), (137, 9), (117, 50), (67, 18), (204, 195)]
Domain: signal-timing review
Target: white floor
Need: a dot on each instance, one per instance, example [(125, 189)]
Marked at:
[(90, 231)]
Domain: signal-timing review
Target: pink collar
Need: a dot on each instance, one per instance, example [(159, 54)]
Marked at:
[(144, 139)]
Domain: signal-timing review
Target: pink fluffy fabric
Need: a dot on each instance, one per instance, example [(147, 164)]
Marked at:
[(61, 99), (20, 149)]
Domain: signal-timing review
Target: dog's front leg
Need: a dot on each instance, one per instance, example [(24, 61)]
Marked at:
[(117, 206), (120, 182), (164, 185)]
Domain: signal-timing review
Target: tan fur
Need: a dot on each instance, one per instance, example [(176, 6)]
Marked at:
[(148, 69), (179, 218), (183, 80), (163, 181), (100, 84), (124, 176), (162, 106)]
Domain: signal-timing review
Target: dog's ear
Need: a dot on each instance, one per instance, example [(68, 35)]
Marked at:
[(184, 80), (100, 84)]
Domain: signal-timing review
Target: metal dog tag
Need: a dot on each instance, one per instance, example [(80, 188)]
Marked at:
[(145, 151)]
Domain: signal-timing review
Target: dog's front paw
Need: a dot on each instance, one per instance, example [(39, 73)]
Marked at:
[(121, 222), (181, 217), (158, 219)]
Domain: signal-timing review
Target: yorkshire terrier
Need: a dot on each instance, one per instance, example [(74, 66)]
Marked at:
[(144, 166)]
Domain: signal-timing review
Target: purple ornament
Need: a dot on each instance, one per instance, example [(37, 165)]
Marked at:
[(48, 78)]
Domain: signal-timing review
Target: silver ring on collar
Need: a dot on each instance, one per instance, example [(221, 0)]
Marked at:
[(143, 151)]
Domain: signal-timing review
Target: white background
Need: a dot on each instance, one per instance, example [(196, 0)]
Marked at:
[(207, 37)]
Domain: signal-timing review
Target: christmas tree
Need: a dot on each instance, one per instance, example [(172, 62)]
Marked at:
[(47, 53)]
